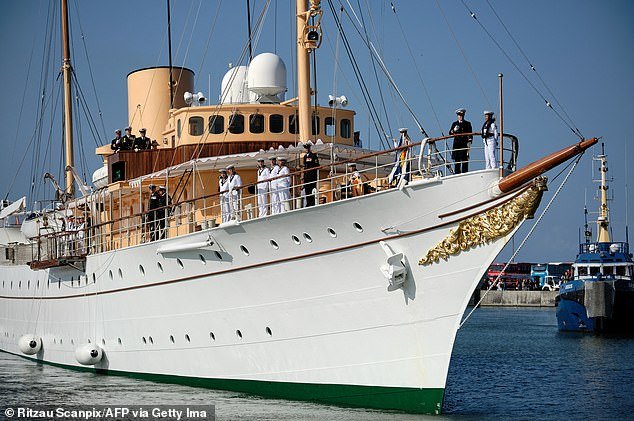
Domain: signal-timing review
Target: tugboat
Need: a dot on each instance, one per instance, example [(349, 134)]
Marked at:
[(599, 296)]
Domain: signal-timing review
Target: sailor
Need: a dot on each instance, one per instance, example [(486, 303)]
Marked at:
[(283, 185), (310, 175), (235, 191), (355, 180), (274, 198), (151, 222), (115, 144), (127, 143), (490, 139), (263, 188), (461, 144), (225, 203), (141, 142), (162, 212)]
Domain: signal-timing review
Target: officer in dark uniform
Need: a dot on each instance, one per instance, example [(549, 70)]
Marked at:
[(152, 217), (127, 143), (310, 175), (115, 145), (461, 144), (141, 143), (162, 212)]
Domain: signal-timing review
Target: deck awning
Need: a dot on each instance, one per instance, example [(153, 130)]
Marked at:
[(16, 207)]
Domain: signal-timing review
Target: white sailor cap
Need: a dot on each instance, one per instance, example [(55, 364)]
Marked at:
[(460, 111), (162, 188), (308, 144), (260, 159), (402, 130), (352, 164), (231, 167), (486, 112), (142, 130), (281, 158), (129, 128), (118, 131), (152, 185), (222, 170)]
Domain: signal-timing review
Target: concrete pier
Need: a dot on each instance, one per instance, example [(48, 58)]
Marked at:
[(508, 298)]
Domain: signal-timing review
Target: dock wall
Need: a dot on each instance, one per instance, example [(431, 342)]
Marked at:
[(516, 298)]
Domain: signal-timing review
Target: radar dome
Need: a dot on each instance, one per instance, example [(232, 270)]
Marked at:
[(233, 88), (267, 75)]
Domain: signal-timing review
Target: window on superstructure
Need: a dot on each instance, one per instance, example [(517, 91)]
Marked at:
[(620, 271), (583, 271), (330, 126), (196, 126), (276, 123), (293, 124), (345, 128), (315, 125), (236, 124), (594, 270), (178, 129), (216, 124), (256, 123)]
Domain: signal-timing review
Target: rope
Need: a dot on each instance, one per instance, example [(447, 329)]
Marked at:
[(531, 84), (420, 77), (534, 69), (525, 238)]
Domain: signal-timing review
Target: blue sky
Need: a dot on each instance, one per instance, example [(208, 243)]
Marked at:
[(582, 49)]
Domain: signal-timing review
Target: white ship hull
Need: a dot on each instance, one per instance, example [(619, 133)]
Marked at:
[(313, 320)]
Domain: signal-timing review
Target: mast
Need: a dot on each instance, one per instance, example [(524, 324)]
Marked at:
[(68, 105), (308, 38), (169, 47), (603, 221)]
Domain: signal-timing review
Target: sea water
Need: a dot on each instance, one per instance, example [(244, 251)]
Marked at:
[(507, 363)]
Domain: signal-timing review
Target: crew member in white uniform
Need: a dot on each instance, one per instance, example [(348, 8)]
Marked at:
[(235, 190), (283, 186), (490, 139), (225, 203), (274, 198), (263, 188)]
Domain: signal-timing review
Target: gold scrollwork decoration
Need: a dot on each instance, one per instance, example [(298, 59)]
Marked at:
[(487, 226)]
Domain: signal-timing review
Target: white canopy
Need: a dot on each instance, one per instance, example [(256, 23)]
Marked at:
[(16, 207)]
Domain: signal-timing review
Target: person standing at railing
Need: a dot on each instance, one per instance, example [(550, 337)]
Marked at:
[(490, 139), (225, 203), (311, 161), (115, 144), (163, 211), (262, 188), (283, 186), (274, 197), (127, 143), (150, 217), (235, 191), (461, 144)]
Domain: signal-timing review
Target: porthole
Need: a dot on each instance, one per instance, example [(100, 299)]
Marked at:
[(110, 274), (28, 285), (119, 341), (160, 266), (120, 274), (358, 227), (202, 259), (142, 270), (268, 331), (180, 263), (61, 342), (72, 342), (103, 341), (218, 255), (89, 341), (187, 338), (212, 336), (171, 339), (20, 285), (151, 340), (308, 237), (239, 334), (38, 284), (59, 284), (94, 278), (274, 244), (244, 250), (295, 239), (144, 340)]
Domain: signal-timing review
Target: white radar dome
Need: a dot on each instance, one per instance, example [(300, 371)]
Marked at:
[(233, 89), (267, 76)]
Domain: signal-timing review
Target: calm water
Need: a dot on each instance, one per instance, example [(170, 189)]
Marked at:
[(507, 364)]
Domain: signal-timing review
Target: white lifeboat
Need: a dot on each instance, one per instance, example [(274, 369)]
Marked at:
[(88, 354), (30, 344)]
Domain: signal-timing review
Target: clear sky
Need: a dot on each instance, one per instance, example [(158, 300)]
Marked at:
[(582, 49)]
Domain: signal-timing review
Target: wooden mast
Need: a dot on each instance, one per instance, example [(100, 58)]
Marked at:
[(308, 38), (68, 106)]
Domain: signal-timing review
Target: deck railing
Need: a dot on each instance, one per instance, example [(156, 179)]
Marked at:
[(336, 181)]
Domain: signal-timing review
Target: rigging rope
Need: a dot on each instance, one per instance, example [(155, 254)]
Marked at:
[(531, 84), (550, 202), (420, 77), (530, 64)]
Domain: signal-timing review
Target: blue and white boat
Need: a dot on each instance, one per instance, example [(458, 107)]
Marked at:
[(599, 296)]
